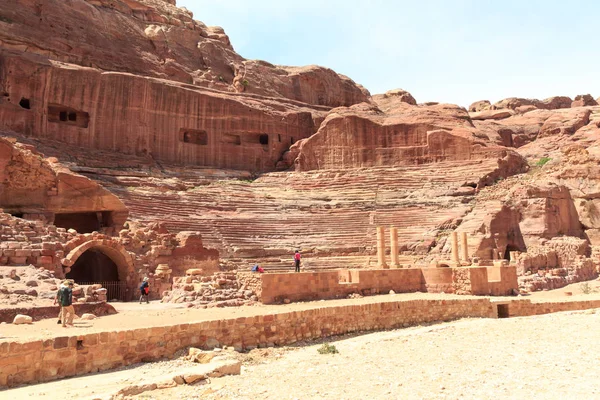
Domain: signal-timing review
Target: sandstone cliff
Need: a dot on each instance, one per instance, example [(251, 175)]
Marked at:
[(155, 38), (149, 112), (33, 186)]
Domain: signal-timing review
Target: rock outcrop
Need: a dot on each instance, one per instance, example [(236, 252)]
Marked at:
[(37, 188), (154, 124), (157, 39), (365, 136)]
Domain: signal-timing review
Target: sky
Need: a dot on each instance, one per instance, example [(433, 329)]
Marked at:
[(454, 51)]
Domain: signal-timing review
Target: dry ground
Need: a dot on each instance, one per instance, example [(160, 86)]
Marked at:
[(133, 315), (552, 356)]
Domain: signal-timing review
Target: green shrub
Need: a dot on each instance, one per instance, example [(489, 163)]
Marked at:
[(542, 161), (327, 348), (245, 82), (586, 288)]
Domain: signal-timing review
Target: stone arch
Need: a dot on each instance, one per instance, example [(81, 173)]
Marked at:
[(113, 250)]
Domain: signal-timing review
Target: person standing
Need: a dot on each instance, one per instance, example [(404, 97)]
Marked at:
[(297, 260), (65, 299), (144, 290), (57, 300)]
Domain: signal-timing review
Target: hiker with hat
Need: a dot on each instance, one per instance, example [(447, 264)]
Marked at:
[(56, 299), (144, 290), (64, 296)]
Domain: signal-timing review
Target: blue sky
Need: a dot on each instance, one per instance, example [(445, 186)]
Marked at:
[(455, 51)]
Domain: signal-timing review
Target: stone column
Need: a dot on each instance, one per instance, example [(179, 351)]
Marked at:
[(464, 247), (381, 247), (394, 246), (455, 260)]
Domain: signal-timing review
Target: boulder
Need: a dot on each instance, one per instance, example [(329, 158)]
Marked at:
[(193, 377), (491, 114), (31, 283), (400, 95), (583, 100), (200, 356), (194, 271), (21, 319), (88, 317), (480, 105)]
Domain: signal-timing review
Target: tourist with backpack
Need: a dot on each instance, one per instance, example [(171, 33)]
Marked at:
[(64, 297), (144, 290), (57, 300)]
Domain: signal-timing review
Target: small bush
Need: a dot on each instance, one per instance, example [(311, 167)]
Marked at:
[(221, 79), (542, 161), (245, 82), (327, 348), (586, 288)]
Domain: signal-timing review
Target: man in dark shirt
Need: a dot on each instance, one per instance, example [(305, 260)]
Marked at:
[(65, 299)]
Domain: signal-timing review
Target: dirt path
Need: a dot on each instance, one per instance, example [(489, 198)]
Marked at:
[(552, 356), (134, 315)]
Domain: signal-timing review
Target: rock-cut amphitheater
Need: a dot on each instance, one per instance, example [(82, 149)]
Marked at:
[(136, 143)]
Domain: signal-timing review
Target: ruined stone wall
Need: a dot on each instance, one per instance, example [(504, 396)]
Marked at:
[(503, 281), (524, 308), (136, 253), (277, 288), (49, 359), (222, 289), (60, 357)]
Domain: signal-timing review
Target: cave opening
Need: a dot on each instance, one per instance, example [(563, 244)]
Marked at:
[(25, 103)]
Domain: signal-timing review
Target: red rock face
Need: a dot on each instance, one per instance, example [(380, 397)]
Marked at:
[(36, 188), (144, 116), (364, 136), (159, 109), (142, 77), (155, 38)]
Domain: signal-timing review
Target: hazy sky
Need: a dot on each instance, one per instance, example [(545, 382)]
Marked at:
[(456, 51)]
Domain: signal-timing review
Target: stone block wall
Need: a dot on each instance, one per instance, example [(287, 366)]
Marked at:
[(525, 308), (502, 280), (437, 280), (49, 359), (338, 284)]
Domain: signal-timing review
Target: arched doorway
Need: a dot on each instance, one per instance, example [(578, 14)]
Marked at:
[(94, 266), (100, 262)]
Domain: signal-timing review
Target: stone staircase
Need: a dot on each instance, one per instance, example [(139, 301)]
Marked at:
[(329, 215)]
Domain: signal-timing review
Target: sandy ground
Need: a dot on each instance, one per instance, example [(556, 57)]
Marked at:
[(553, 356), (134, 315)]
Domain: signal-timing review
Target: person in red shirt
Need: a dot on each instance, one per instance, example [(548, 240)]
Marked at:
[(297, 260)]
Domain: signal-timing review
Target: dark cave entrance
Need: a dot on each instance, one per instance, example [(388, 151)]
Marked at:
[(510, 248), (84, 222), (95, 267)]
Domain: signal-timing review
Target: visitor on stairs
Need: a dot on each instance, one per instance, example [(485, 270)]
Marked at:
[(257, 268), (297, 260), (144, 289)]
